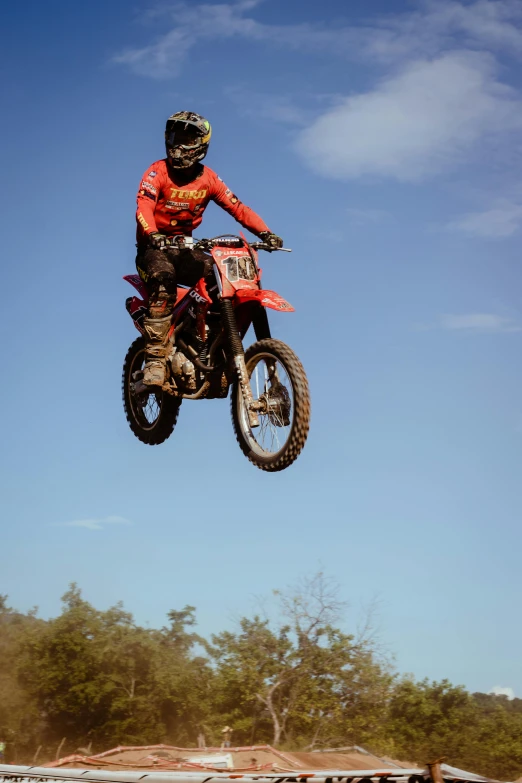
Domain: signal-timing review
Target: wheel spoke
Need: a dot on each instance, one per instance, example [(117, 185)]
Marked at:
[(275, 388), (280, 390), (146, 407), (151, 413)]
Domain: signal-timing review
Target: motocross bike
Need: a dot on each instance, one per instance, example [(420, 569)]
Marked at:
[(270, 400)]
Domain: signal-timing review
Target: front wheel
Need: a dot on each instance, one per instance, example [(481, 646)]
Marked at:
[(152, 415), (278, 382)]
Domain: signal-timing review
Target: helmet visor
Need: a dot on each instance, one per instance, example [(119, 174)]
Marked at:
[(180, 134)]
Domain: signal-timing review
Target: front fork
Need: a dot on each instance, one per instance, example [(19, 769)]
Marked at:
[(238, 352)]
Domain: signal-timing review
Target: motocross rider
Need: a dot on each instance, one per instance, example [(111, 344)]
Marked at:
[(172, 197)]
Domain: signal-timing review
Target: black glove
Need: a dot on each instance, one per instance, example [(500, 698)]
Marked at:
[(158, 241), (271, 239)]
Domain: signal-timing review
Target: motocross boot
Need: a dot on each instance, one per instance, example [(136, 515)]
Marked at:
[(155, 369)]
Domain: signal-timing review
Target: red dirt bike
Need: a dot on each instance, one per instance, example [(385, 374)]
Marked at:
[(270, 400)]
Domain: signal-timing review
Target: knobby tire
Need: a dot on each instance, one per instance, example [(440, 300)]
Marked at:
[(169, 408), (302, 408)]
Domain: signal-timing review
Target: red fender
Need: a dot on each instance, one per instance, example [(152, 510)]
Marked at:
[(138, 284), (266, 298)]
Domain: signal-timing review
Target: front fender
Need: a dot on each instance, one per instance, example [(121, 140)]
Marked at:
[(264, 298)]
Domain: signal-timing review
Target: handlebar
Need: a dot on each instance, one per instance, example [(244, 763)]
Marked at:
[(229, 240), (268, 248)]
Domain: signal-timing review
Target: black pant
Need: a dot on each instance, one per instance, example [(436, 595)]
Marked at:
[(162, 270)]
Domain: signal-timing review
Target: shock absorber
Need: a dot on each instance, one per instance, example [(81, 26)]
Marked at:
[(238, 352), (203, 347)]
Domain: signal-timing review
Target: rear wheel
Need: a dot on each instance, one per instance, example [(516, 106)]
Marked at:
[(279, 383), (152, 415)]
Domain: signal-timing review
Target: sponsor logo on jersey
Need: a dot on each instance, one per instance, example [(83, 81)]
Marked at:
[(143, 221), (152, 174), (177, 204), (193, 194), (149, 187)]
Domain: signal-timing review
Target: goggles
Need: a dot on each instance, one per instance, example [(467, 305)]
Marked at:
[(185, 135)]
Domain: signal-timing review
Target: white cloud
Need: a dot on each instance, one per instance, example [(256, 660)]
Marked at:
[(158, 60), (479, 323), (500, 690), (363, 217), (500, 222), (414, 124), (193, 23), (247, 5), (440, 104), (276, 108), (96, 524), (164, 57), (445, 24), (434, 27)]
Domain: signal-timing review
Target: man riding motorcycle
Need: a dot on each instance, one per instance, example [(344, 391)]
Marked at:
[(172, 197)]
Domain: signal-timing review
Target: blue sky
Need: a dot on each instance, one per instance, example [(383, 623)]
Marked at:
[(382, 140)]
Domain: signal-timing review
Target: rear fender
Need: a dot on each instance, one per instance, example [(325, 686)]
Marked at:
[(264, 298), (137, 309), (138, 284)]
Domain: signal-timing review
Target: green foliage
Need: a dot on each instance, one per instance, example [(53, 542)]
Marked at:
[(300, 681), (20, 722), (97, 677), (292, 678), (479, 732)]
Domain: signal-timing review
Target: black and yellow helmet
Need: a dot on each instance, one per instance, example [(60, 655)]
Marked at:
[(187, 136)]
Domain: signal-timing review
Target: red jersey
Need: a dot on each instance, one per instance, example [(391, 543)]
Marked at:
[(166, 206)]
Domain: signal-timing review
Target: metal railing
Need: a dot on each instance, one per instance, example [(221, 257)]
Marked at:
[(10, 773)]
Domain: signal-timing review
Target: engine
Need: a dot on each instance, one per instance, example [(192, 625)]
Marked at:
[(183, 372)]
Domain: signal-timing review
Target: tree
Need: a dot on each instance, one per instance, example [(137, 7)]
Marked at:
[(298, 675), (20, 721), (294, 677), (98, 677)]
